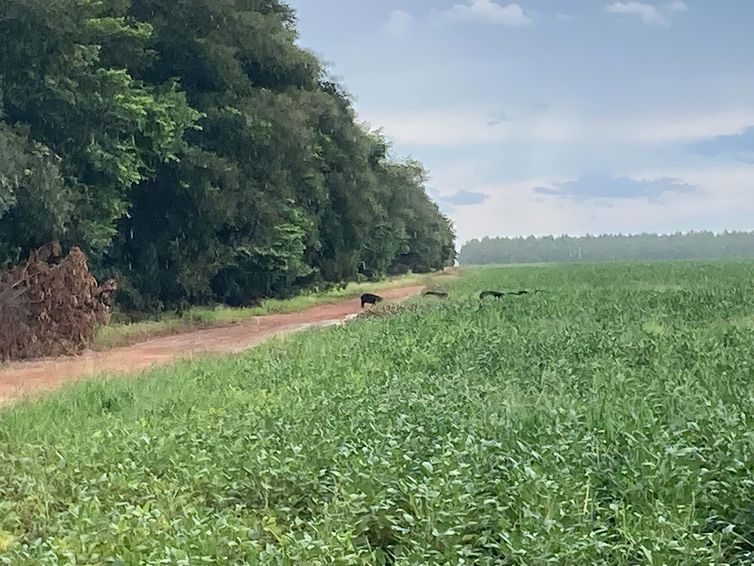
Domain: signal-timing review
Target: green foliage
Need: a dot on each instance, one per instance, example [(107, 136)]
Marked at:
[(34, 201), (107, 128), (605, 421), (203, 155), (280, 189), (692, 245)]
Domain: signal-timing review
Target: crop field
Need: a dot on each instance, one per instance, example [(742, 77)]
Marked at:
[(606, 420)]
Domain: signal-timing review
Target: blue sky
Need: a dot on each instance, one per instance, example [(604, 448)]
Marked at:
[(557, 116)]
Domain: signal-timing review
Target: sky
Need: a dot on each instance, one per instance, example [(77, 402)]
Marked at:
[(557, 116)]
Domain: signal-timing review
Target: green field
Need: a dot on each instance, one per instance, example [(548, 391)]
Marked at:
[(609, 420)]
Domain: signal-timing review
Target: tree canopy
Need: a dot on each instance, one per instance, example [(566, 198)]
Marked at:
[(197, 153), (607, 247)]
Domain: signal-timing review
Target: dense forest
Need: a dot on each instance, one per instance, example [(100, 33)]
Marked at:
[(692, 245), (196, 153)]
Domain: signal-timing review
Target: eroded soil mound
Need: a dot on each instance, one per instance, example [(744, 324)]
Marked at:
[(50, 305)]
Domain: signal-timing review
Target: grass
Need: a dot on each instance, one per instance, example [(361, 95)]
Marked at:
[(606, 421), (118, 334)]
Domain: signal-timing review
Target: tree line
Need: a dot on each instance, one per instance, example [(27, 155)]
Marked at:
[(608, 247), (197, 154)]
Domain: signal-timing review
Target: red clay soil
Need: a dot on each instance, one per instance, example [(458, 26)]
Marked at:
[(24, 378)]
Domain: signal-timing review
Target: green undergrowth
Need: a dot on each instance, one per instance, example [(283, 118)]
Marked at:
[(125, 333), (607, 420)]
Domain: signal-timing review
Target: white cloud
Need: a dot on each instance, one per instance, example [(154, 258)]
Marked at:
[(648, 13), (566, 18), (453, 174), (400, 23), (451, 127), (488, 12), (720, 185), (676, 6), (686, 127), (722, 201)]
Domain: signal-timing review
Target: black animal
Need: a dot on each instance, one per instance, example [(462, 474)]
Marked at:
[(440, 294), (499, 294), (369, 298), (496, 294)]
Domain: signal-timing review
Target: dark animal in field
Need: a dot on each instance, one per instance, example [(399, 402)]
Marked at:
[(440, 294), (369, 298), (496, 294), (499, 294)]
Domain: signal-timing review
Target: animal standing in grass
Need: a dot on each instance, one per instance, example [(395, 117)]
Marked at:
[(495, 294), (500, 294), (440, 294), (369, 298)]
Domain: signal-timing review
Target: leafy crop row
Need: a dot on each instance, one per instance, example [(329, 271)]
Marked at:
[(609, 420)]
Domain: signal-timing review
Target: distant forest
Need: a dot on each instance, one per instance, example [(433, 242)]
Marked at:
[(692, 245), (197, 154)]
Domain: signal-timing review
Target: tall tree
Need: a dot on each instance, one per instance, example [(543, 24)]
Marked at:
[(198, 153), (106, 130)]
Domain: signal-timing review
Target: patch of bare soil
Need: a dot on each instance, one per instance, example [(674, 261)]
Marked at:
[(24, 378)]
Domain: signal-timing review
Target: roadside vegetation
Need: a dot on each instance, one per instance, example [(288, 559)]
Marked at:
[(123, 330)]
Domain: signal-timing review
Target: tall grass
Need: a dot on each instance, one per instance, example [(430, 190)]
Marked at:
[(606, 421), (124, 333)]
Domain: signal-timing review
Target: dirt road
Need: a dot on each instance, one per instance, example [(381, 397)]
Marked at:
[(20, 379)]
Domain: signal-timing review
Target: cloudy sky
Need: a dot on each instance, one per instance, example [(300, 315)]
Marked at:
[(557, 116)]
